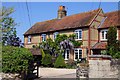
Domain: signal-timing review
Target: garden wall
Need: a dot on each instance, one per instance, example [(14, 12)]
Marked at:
[(102, 66)]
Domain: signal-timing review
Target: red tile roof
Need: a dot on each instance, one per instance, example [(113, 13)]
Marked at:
[(100, 45), (68, 22), (74, 21), (112, 19)]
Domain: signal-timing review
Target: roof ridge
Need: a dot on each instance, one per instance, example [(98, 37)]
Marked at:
[(84, 12), (48, 20), (67, 22), (70, 15)]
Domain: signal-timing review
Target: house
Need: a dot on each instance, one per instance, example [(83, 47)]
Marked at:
[(90, 27)]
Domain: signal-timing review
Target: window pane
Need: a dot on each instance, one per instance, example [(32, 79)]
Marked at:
[(76, 55), (80, 54), (29, 38), (67, 54), (102, 34), (76, 35), (80, 34), (43, 37), (76, 50), (106, 35)]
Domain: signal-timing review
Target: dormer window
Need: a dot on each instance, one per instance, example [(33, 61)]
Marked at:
[(78, 33), (55, 35), (43, 37), (104, 34), (29, 39)]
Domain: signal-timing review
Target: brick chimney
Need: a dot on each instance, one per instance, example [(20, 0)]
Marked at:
[(61, 12)]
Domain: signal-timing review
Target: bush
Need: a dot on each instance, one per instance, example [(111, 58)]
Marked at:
[(59, 63), (43, 53), (71, 64), (47, 60), (117, 55), (15, 59)]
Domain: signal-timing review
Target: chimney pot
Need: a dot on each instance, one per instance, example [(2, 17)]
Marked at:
[(61, 7), (61, 12)]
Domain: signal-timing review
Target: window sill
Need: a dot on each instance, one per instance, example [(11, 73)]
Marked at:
[(103, 39), (78, 39), (66, 59), (29, 42), (77, 59)]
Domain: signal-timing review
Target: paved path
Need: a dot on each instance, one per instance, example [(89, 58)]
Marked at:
[(57, 73)]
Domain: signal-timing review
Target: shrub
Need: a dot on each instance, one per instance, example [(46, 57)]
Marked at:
[(15, 59), (114, 54), (71, 64), (47, 60), (117, 55), (59, 63), (43, 53)]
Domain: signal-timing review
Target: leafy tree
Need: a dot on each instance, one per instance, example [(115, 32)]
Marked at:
[(47, 60), (113, 46), (7, 23), (15, 60), (59, 63)]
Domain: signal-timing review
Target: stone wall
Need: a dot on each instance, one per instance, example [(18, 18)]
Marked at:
[(9, 76), (103, 67)]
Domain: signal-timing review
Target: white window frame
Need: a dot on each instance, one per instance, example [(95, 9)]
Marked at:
[(65, 54), (78, 34), (78, 50), (29, 39), (103, 38), (55, 35), (117, 34), (43, 37)]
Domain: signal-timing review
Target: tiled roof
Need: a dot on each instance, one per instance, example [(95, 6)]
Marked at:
[(100, 45), (68, 22), (112, 19), (35, 51)]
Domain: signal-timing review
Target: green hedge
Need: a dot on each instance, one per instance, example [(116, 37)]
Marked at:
[(15, 59)]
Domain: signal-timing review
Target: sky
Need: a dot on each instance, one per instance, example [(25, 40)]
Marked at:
[(42, 11)]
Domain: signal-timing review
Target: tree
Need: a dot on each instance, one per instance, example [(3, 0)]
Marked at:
[(15, 59), (47, 60), (112, 43), (7, 23), (59, 63)]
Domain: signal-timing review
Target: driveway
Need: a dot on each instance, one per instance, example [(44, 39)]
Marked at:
[(57, 73)]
